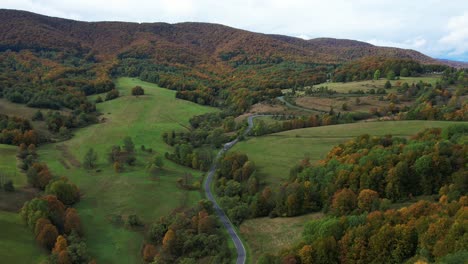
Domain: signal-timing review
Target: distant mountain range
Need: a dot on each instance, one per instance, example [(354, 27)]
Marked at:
[(452, 63), (182, 43)]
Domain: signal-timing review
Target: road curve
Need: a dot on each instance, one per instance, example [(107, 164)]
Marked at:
[(288, 104), (241, 253)]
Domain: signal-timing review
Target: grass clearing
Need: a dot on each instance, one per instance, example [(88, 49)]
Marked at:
[(275, 154), (270, 235), (17, 244), (372, 84), (106, 193), (8, 166), (369, 84), (366, 103)]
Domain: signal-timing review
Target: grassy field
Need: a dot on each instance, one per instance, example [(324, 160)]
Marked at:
[(275, 154), (365, 105), (369, 84), (17, 243), (106, 193), (270, 235), (8, 166)]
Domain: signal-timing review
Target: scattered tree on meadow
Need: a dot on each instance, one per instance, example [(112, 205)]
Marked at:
[(391, 75), (112, 94), (387, 85), (377, 75), (8, 186), (129, 146), (138, 90), (90, 159)]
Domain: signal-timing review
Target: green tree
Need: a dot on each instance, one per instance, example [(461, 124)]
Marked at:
[(65, 191), (8, 186), (391, 75), (128, 145), (156, 162), (404, 72), (137, 90), (260, 128), (90, 159), (229, 124), (377, 75), (38, 116), (387, 85)]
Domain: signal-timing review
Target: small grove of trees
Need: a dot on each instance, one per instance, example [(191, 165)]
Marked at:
[(55, 224), (138, 90), (187, 237), (112, 94), (90, 159), (118, 156), (157, 162), (236, 184), (15, 131)]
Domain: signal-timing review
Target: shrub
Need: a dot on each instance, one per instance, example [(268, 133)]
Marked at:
[(112, 94), (8, 186), (137, 90)]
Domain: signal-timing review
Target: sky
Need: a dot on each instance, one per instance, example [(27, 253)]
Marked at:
[(436, 28)]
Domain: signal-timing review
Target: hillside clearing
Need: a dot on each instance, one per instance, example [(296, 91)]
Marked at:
[(275, 154), (270, 235), (17, 244), (106, 194)]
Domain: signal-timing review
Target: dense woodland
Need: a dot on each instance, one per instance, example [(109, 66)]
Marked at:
[(423, 232), (379, 67)]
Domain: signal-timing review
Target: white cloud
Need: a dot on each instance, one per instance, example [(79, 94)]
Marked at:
[(436, 27), (457, 37)]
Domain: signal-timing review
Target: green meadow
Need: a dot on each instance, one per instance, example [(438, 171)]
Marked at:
[(106, 194), (275, 154), (17, 244), (366, 85), (8, 166)]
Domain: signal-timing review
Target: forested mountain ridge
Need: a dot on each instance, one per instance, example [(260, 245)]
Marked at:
[(193, 43)]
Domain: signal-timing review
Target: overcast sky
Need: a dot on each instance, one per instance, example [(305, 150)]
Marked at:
[(434, 27)]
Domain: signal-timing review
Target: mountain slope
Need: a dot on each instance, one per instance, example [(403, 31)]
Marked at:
[(202, 42)]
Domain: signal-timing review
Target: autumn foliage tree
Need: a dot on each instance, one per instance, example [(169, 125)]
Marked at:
[(47, 235), (343, 201), (72, 222), (368, 200)]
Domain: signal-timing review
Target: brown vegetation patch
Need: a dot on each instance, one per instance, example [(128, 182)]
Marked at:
[(365, 105), (13, 201), (270, 235), (68, 156), (262, 108)]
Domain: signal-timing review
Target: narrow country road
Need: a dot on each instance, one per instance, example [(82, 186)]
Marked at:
[(241, 254), (288, 104)]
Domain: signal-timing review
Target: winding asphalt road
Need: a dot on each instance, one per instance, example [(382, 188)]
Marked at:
[(241, 254)]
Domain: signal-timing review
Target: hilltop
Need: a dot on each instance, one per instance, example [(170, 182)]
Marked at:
[(191, 43)]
